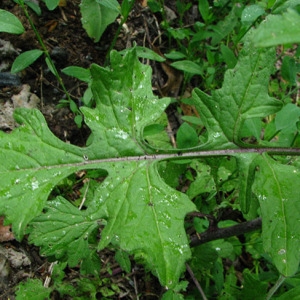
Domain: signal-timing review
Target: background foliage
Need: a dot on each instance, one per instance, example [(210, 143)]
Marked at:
[(235, 157)]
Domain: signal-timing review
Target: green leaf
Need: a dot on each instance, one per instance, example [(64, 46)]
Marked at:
[(253, 287), (171, 295), (251, 13), (244, 95), (289, 70), (186, 137), (283, 5), (204, 257), (278, 29), (192, 120), (280, 208), (171, 172), (126, 8), (54, 231), (153, 129), (132, 223), (228, 56), (246, 166), (50, 65), (123, 260), (91, 264), (149, 54), (51, 4), (25, 59), (155, 6), (10, 23), (125, 106), (285, 131), (96, 17), (32, 289), (203, 183), (34, 6), (225, 27), (111, 4), (32, 164), (175, 55), (289, 112), (293, 293), (145, 217), (187, 66), (223, 248), (78, 72), (203, 6)]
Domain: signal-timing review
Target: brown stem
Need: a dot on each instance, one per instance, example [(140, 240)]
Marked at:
[(222, 233), (188, 268)]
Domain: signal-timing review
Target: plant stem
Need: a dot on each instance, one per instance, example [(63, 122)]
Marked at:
[(196, 281), (222, 233), (113, 43), (276, 286), (88, 161), (46, 52)]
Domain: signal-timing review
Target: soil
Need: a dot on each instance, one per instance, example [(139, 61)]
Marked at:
[(69, 45)]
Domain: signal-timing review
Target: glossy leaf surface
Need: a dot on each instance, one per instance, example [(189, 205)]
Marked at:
[(278, 29), (144, 215), (280, 208), (96, 17), (10, 23), (244, 95)]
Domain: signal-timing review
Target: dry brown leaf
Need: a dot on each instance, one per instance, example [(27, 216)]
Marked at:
[(62, 3), (175, 77), (188, 110), (51, 25), (5, 232), (143, 3)]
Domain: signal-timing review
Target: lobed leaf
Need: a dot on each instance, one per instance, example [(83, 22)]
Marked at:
[(33, 289), (144, 216), (244, 95), (63, 229), (125, 105), (33, 162)]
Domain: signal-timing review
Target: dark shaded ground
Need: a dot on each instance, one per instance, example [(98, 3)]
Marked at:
[(69, 44)]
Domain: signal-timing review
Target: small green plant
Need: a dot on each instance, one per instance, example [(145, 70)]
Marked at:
[(11, 24), (244, 159), (85, 287), (96, 16)]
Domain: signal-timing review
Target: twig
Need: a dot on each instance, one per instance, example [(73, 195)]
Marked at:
[(86, 161), (84, 196), (195, 281), (48, 277), (276, 286), (135, 287), (221, 233), (171, 135)]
